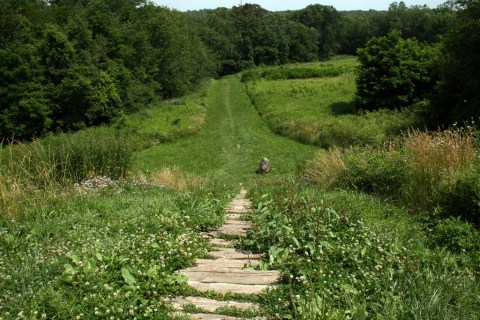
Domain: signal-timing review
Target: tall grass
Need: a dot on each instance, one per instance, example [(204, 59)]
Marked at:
[(422, 170), (334, 68), (170, 120), (174, 178), (36, 170), (320, 110), (435, 161)]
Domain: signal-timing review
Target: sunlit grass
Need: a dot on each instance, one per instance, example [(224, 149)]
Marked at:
[(320, 110)]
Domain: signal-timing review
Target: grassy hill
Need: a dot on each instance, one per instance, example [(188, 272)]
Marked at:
[(85, 236)]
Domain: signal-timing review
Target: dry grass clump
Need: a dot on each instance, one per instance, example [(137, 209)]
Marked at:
[(421, 170), (326, 168), (436, 161), (20, 178), (438, 154), (175, 178)]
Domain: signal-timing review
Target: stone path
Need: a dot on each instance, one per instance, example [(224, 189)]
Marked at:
[(226, 271)]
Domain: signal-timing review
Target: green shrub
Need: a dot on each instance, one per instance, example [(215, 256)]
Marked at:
[(462, 197), (367, 170), (374, 171), (456, 235), (393, 73), (93, 152), (345, 255), (327, 254)]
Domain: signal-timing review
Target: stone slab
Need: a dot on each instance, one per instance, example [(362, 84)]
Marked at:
[(235, 216), (253, 277), (243, 210), (228, 287), (211, 305), (238, 223), (229, 253), (205, 316), (226, 263), (221, 242), (233, 230)]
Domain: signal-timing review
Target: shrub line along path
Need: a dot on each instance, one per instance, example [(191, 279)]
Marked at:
[(226, 271)]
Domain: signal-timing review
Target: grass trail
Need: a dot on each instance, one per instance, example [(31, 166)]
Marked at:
[(231, 144)]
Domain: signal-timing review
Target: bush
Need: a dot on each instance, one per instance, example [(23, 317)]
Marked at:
[(462, 197), (394, 73), (456, 235), (370, 170), (435, 161)]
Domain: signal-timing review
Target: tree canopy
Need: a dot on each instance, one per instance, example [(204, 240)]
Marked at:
[(459, 88), (68, 64), (394, 72)]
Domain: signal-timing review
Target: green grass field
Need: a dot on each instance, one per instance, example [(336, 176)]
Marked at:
[(318, 107), (97, 248), (231, 145)]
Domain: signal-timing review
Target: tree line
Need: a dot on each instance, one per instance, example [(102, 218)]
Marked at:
[(68, 64)]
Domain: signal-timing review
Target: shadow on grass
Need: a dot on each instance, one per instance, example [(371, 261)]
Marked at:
[(342, 107)]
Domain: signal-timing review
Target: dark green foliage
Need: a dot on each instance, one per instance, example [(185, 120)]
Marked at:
[(326, 21), (29, 115), (248, 35), (459, 98), (456, 235), (394, 73), (425, 24), (70, 64), (462, 198), (370, 172)]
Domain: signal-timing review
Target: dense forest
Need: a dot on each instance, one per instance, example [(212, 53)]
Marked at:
[(68, 64)]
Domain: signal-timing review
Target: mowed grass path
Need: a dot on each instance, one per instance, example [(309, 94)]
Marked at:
[(232, 143)]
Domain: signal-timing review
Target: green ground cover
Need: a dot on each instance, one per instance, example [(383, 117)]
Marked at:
[(170, 120), (104, 250), (95, 247), (231, 145), (317, 107), (347, 255)]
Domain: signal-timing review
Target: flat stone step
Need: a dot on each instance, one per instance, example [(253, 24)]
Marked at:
[(205, 316), (232, 276), (210, 268), (228, 287), (239, 230), (226, 263), (208, 316), (221, 242), (230, 253), (238, 223), (235, 216), (241, 211), (239, 204), (211, 305)]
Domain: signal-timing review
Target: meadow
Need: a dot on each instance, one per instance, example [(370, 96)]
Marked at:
[(317, 106), (94, 224)]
